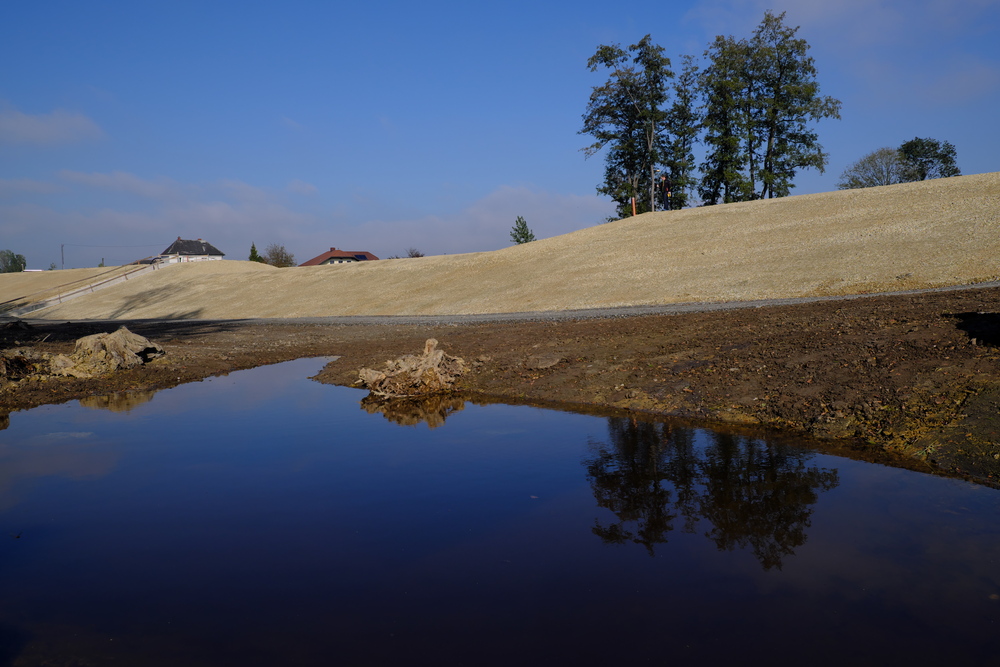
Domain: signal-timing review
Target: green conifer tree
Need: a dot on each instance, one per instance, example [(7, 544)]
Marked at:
[(520, 233), (254, 257)]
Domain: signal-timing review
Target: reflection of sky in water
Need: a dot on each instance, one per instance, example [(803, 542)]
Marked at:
[(262, 518)]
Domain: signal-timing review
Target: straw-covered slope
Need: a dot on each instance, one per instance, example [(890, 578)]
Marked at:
[(932, 233), (23, 287)]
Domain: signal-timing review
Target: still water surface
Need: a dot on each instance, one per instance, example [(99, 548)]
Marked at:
[(266, 519)]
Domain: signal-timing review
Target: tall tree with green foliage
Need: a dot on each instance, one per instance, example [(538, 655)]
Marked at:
[(928, 158), (683, 121), (520, 233), (726, 118), (761, 101), (627, 115), (10, 262), (254, 256)]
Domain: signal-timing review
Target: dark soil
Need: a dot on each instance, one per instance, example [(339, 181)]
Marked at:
[(911, 379)]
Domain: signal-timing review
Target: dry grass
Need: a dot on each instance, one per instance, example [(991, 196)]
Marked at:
[(933, 233), (27, 287)]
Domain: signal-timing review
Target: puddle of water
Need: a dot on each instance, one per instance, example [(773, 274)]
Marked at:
[(262, 518)]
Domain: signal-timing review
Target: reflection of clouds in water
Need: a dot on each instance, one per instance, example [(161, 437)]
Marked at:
[(245, 390), (56, 437), (71, 454)]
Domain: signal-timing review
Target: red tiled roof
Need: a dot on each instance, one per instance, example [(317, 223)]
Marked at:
[(354, 255)]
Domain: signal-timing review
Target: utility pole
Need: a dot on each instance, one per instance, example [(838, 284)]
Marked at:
[(62, 254)]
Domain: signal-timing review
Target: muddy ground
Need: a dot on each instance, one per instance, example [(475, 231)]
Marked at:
[(909, 380)]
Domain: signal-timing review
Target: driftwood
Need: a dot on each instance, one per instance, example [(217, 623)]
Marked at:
[(430, 373)]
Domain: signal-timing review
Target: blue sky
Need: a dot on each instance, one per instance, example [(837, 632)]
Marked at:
[(382, 126)]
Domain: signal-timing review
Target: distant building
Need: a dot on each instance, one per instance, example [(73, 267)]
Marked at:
[(189, 251), (335, 256)]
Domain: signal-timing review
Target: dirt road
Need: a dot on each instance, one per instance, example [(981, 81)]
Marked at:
[(911, 379)]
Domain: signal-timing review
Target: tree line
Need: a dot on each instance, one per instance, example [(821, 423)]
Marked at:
[(916, 160), (752, 105), (274, 254)]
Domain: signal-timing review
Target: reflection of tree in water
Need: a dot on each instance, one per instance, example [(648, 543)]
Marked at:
[(754, 493), (123, 401), (410, 411)]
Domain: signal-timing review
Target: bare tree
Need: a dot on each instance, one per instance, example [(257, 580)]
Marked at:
[(410, 252), (276, 255), (884, 166)]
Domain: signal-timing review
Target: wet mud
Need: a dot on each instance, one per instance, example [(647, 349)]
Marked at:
[(914, 378)]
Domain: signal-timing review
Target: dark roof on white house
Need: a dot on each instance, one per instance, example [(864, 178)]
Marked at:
[(199, 247)]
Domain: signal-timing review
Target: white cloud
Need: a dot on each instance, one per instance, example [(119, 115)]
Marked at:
[(301, 187), (232, 214), (58, 127), (483, 225), (965, 79), (25, 185), (854, 24), (124, 182), (240, 191), (891, 53)]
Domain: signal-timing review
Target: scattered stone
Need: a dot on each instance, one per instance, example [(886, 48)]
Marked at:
[(21, 363), (537, 362), (430, 373)]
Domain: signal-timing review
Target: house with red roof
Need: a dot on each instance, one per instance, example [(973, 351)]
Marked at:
[(334, 256)]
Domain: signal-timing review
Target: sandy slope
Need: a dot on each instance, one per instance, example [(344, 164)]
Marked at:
[(933, 233)]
